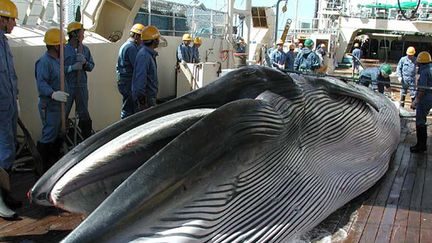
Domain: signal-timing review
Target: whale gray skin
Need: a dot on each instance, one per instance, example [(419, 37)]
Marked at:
[(228, 88), (264, 169), (82, 188), (247, 82)]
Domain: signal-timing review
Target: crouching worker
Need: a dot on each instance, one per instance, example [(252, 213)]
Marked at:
[(379, 77), (47, 71)]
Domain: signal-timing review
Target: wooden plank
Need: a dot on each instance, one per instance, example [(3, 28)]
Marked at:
[(356, 230), (37, 224), (426, 200), (386, 225)]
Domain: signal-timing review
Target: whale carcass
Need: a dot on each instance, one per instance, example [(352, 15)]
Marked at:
[(257, 155)]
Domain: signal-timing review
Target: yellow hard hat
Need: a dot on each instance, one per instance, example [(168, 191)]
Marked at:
[(424, 57), (187, 37), (356, 44), (323, 45), (52, 37), (411, 51), (198, 41), (74, 26), (280, 42), (8, 9), (150, 33), (137, 28)]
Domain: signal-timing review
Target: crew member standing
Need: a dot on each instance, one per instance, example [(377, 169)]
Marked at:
[(423, 100), (78, 61), (357, 53), (290, 57), (184, 52), (125, 68), (406, 72), (195, 50), (8, 105), (47, 72), (307, 60), (145, 79), (278, 56)]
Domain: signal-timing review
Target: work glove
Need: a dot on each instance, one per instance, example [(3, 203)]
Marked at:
[(81, 58), (75, 67), (400, 79), (60, 96)]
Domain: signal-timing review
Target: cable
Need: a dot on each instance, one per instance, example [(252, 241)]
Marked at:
[(412, 14)]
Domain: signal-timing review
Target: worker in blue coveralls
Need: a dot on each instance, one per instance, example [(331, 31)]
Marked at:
[(357, 53), (47, 72), (197, 42), (184, 51), (125, 68), (290, 57), (78, 61), (378, 77), (307, 60), (145, 79), (406, 72), (9, 107), (423, 100), (278, 56)]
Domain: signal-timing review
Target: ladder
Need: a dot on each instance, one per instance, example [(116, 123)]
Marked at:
[(41, 15)]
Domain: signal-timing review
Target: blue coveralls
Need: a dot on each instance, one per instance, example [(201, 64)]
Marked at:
[(241, 48), (425, 102), (307, 60), (47, 73), (8, 104), (406, 69), (195, 54), (356, 53), (145, 80), (125, 68), (373, 75), (290, 58), (184, 53), (78, 91), (278, 57)]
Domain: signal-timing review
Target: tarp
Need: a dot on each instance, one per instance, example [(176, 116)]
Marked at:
[(404, 5)]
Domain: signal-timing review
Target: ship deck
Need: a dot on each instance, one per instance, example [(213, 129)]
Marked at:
[(397, 209)]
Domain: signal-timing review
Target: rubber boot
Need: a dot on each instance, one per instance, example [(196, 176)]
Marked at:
[(86, 128), (421, 146), (45, 153), (5, 211), (402, 101)]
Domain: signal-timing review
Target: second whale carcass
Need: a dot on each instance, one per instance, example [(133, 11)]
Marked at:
[(260, 155)]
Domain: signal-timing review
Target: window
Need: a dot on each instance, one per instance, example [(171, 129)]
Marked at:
[(259, 19)]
